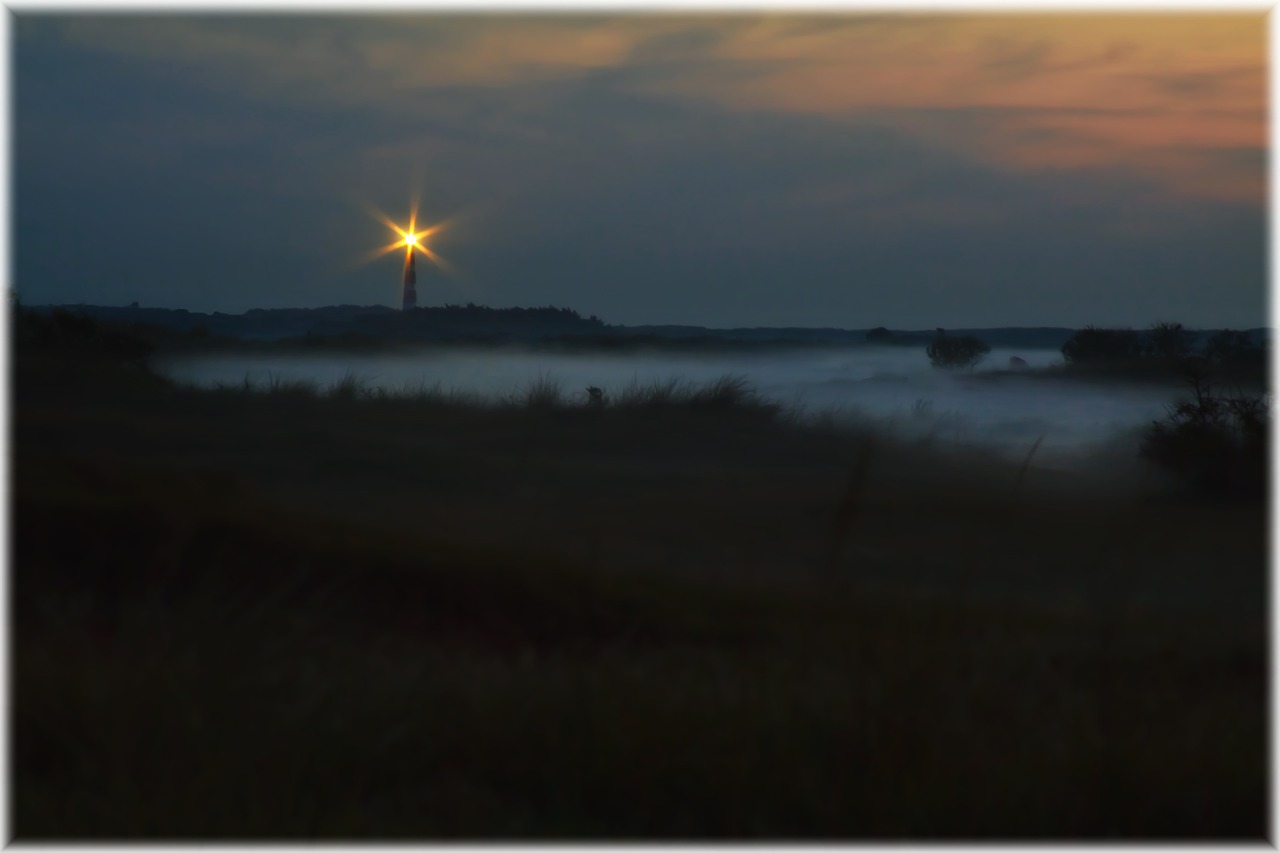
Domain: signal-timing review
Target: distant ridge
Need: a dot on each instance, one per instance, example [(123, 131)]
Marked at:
[(1051, 337), (561, 326)]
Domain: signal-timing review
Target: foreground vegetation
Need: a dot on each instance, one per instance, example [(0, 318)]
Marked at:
[(680, 614)]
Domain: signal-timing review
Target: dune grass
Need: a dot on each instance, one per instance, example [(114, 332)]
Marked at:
[(287, 613), (728, 393), (265, 678)]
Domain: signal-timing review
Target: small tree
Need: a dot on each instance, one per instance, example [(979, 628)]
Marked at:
[(952, 352)]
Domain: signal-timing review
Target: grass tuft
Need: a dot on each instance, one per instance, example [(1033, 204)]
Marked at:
[(349, 388), (1026, 464), (544, 393)]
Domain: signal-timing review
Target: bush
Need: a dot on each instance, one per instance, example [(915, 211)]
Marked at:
[(1215, 444), (879, 335), (1094, 346), (80, 334), (1167, 341), (1234, 352), (951, 352), (1167, 347), (1227, 344)]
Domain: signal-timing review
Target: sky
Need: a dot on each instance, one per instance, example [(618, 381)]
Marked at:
[(846, 169)]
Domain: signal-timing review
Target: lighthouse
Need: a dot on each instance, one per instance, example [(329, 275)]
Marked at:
[(410, 281)]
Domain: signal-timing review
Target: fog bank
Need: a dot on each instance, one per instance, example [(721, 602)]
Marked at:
[(893, 385)]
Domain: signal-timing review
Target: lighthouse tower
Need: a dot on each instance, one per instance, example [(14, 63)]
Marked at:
[(410, 280)]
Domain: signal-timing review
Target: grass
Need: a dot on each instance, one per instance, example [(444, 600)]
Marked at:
[(847, 511), (727, 394), (1026, 463), (330, 684), (544, 393), (294, 613)]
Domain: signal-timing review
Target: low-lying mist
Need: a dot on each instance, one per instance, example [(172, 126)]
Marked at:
[(897, 387)]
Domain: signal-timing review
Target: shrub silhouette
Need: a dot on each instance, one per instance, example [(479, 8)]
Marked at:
[(1168, 347), (1215, 444), (78, 333), (1228, 344), (953, 352), (1091, 345), (1168, 341), (1235, 353)]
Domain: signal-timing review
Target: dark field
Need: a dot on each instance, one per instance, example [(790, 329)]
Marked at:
[(278, 615)]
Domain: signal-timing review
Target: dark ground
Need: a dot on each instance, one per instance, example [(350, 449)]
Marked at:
[(281, 616)]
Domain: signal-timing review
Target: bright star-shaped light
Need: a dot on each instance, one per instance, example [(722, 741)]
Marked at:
[(411, 239)]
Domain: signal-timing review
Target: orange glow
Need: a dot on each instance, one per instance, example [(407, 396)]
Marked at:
[(411, 239), (1024, 91), (1166, 95)]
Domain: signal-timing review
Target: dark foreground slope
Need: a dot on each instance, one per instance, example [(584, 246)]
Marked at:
[(286, 616)]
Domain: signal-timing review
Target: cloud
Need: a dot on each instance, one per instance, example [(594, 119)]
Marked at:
[(692, 169), (1077, 91), (1202, 83)]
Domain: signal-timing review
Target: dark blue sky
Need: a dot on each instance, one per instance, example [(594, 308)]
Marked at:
[(848, 171)]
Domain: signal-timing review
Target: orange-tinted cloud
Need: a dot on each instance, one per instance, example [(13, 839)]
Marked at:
[(1174, 97), (1114, 91)]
